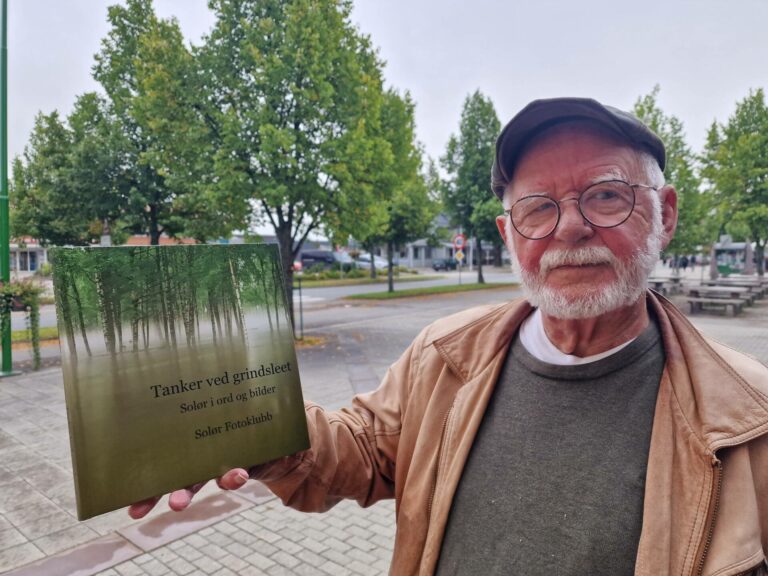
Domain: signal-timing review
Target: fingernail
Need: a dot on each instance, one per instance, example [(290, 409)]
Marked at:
[(241, 478)]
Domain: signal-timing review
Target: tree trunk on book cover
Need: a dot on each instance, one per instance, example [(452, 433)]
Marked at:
[(81, 320), (62, 293), (108, 318), (276, 296), (285, 242), (265, 292)]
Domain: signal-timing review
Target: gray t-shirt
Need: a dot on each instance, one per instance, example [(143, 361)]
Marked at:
[(555, 480)]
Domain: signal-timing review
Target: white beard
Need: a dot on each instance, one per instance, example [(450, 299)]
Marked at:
[(628, 287)]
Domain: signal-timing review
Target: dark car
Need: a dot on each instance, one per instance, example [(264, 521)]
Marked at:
[(326, 259), (444, 264)]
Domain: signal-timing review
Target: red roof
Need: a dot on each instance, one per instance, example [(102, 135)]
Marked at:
[(164, 241)]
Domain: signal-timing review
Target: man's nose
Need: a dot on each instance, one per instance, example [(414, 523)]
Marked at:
[(573, 227)]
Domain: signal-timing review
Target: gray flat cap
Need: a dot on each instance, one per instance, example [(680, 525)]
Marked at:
[(541, 114)]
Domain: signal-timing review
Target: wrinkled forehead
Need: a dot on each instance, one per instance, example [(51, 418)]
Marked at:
[(581, 137)]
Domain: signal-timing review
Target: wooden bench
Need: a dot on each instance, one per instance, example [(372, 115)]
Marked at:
[(723, 292), (697, 304)]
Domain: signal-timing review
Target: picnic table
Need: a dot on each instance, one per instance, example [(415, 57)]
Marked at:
[(671, 284), (754, 286), (707, 297), (720, 291)]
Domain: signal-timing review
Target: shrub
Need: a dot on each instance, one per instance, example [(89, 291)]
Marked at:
[(23, 295)]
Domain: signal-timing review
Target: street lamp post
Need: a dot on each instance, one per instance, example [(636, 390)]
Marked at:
[(5, 234)]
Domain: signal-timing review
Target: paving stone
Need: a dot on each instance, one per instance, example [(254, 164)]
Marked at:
[(65, 539), (234, 563), (288, 546), (129, 569), (334, 569), (10, 537), (180, 566), (207, 565), (258, 560), (224, 572), (20, 555)]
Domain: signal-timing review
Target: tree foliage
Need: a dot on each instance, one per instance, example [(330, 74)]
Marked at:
[(694, 228), (736, 165), (292, 94), (403, 209), (150, 79), (467, 162), (68, 183)]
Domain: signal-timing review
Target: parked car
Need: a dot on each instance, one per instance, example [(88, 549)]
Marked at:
[(364, 262), (444, 264), (327, 259)]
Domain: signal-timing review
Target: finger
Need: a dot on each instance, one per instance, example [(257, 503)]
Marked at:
[(180, 499), (141, 509), (233, 479)]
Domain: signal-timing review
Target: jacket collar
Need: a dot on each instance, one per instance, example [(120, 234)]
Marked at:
[(723, 400)]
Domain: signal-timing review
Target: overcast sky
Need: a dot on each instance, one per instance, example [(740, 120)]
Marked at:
[(705, 54)]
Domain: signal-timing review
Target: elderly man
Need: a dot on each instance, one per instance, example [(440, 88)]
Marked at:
[(585, 429)]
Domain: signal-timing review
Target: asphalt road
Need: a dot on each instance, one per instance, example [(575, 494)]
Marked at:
[(446, 278), (312, 296)]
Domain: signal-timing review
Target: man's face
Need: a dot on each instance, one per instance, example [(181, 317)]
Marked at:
[(580, 270)]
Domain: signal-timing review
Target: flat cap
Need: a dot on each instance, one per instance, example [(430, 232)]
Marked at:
[(541, 114)]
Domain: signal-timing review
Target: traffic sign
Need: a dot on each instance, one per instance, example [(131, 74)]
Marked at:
[(459, 255), (459, 241)]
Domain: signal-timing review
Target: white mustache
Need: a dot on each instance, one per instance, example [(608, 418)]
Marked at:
[(575, 257)]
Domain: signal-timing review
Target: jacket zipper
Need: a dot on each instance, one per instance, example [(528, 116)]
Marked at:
[(718, 480), (439, 459)]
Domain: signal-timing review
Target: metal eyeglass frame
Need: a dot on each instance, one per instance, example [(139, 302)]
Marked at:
[(578, 204)]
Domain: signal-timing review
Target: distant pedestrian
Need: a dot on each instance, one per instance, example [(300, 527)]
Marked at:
[(684, 263)]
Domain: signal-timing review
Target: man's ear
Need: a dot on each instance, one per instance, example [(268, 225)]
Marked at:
[(668, 198), (501, 224)]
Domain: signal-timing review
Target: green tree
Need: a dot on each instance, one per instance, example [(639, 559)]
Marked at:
[(151, 83), (292, 92), (68, 183), (403, 209), (42, 204), (694, 227), (97, 165), (467, 162), (736, 165), (484, 222)]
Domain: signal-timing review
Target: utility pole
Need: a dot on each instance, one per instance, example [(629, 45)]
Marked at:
[(5, 232)]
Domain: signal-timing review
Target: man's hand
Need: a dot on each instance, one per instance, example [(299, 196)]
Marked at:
[(180, 499)]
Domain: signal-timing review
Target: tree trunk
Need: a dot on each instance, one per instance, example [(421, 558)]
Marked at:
[(760, 257), (497, 251), (285, 241), (390, 271), (80, 319), (479, 244), (66, 314)]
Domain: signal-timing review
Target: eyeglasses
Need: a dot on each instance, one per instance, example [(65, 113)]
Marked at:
[(605, 205)]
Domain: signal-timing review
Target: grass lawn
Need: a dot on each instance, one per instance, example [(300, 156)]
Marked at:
[(427, 291), (46, 333), (380, 279)]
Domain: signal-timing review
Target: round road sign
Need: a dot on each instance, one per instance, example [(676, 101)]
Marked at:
[(459, 241)]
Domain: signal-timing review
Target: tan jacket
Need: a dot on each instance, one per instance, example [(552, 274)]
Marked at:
[(706, 499)]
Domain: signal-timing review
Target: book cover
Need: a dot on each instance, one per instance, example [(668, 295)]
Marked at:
[(178, 365)]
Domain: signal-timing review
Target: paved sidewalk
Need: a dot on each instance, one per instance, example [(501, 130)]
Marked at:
[(248, 531)]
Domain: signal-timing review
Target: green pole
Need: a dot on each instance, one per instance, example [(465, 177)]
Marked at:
[(5, 233)]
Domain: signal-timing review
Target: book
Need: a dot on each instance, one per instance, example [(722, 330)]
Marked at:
[(178, 365)]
